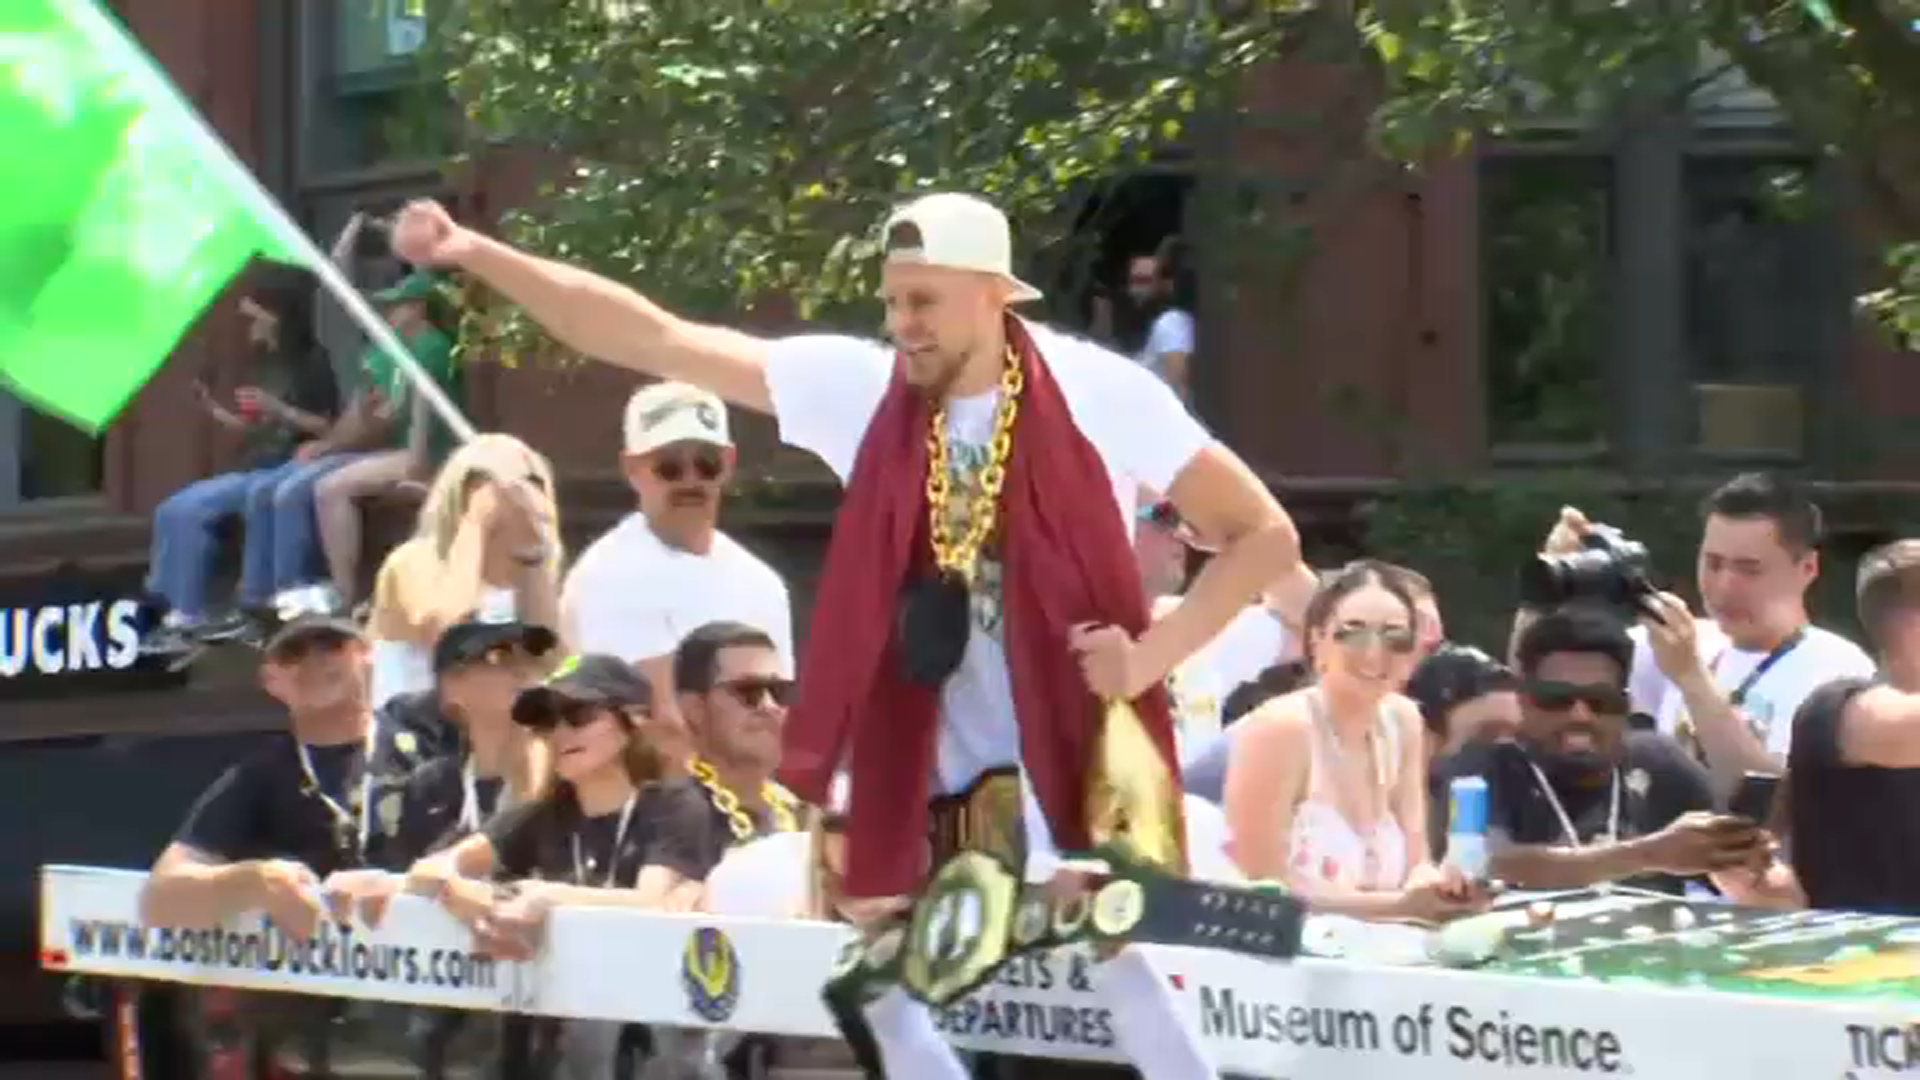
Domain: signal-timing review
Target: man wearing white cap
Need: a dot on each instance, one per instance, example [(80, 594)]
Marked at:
[(666, 569), (981, 622)]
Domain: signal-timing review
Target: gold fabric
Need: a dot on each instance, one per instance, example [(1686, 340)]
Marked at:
[(1132, 799), (986, 817)]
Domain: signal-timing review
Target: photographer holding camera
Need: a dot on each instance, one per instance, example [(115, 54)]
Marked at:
[(1727, 686)]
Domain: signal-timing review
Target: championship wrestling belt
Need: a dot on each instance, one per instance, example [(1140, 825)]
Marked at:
[(977, 914)]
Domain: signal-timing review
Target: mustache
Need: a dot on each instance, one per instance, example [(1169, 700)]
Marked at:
[(690, 495)]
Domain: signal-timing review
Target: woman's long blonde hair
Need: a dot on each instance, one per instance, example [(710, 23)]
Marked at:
[(490, 454)]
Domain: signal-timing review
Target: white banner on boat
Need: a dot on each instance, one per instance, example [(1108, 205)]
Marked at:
[(1291, 1021)]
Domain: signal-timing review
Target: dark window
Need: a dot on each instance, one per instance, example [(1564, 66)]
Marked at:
[(1763, 296), (1547, 222), (43, 457)]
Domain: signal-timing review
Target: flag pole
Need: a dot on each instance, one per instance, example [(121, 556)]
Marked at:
[(290, 232)]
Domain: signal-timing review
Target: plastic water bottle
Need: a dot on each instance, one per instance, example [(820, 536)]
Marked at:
[(1467, 826)]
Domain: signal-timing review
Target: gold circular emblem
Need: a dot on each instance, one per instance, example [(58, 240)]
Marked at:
[(1071, 915), (1030, 922), (1118, 907)]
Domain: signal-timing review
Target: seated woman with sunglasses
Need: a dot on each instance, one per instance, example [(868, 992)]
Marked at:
[(608, 830), (1579, 798), (487, 543), (1326, 786)]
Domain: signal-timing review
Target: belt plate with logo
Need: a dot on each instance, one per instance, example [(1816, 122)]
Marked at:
[(976, 914)]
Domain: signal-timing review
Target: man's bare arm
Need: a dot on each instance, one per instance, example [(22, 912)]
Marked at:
[(1221, 498), (591, 314), (190, 887)]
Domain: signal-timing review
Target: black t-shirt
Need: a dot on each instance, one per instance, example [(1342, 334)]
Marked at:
[(1853, 829), (1659, 782), (673, 825), (266, 808), (432, 800), (416, 719), (304, 381)]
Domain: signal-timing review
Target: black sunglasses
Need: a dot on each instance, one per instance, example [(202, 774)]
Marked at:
[(1562, 696), (705, 464), (755, 692), (579, 714), (1394, 639)]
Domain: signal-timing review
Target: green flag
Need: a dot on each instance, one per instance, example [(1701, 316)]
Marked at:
[(121, 218)]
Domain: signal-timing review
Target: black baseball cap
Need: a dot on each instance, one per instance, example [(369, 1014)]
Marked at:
[(1453, 675), (593, 679), (298, 633), (466, 642)]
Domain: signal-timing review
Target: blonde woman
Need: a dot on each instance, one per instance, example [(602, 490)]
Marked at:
[(487, 545)]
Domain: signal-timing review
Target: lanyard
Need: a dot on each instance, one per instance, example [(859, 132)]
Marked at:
[(470, 810), (1566, 821), (341, 815), (581, 867), (1739, 696)]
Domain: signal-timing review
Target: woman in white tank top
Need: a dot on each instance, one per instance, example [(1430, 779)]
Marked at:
[(1326, 787), (487, 545)]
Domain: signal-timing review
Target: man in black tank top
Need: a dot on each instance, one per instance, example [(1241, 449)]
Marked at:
[(1849, 813)]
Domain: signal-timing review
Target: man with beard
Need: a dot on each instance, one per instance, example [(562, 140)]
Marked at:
[(1580, 799), (981, 618), (1159, 286), (661, 572)]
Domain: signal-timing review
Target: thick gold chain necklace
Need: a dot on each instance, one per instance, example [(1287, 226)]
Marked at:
[(962, 556), (779, 802)]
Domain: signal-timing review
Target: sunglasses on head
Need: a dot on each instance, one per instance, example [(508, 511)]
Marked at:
[(1561, 697), (704, 464), (1394, 639), (758, 691)]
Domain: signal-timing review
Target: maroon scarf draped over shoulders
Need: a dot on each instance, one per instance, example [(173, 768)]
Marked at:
[(1065, 560)]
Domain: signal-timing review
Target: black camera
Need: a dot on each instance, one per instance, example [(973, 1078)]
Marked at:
[(1609, 569)]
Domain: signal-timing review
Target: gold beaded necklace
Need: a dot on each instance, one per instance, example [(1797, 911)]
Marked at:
[(961, 556), (780, 803)]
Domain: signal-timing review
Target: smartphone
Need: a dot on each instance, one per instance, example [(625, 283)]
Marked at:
[(1753, 799)]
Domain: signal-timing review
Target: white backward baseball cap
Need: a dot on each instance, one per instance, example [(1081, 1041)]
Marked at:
[(669, 412), (958, 232)]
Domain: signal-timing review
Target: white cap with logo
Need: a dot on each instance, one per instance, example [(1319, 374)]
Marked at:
[(958, 232), (670, 412)]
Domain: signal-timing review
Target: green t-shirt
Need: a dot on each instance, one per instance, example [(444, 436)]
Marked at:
[(434, 351)]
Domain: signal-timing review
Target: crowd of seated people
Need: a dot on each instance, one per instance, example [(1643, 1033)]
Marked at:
[(311, 456), (504, 735)]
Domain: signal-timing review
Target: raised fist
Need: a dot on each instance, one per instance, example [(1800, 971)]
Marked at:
[(424, 234)]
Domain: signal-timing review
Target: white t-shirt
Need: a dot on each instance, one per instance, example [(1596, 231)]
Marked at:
[(1769, 705), (1254, 641), (1171, 332), (632, 596), (825, 390)]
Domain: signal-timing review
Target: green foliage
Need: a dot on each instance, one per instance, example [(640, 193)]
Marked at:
[(1845, 72), (727, 150)]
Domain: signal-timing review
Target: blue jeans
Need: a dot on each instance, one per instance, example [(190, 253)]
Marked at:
[(183, 525), (283, 535)]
